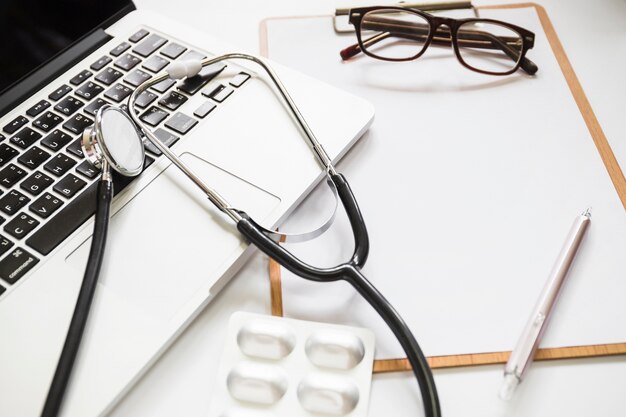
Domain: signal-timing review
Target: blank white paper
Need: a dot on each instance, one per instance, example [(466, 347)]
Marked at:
[(469, 184)]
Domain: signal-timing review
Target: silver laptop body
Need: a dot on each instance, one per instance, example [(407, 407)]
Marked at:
[(169, 251)]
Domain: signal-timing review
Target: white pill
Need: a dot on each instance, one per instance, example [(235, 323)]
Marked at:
[(334, 349), (257, 383), (328, 394), (264, 339)]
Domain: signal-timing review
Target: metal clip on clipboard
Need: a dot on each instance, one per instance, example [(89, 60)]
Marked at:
[(429, 6)]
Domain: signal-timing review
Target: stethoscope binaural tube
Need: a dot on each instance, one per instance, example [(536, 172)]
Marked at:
[(112, 143)]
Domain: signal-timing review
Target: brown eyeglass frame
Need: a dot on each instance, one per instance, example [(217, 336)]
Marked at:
[(443, 37)]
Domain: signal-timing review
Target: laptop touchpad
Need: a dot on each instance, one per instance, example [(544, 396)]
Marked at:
[(169, 241)]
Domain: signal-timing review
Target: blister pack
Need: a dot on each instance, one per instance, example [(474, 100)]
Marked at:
[(278, 367)]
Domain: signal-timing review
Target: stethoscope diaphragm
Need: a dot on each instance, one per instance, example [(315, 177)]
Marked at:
[(114, 139)]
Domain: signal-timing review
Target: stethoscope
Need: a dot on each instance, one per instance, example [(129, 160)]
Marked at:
[(114, 142)]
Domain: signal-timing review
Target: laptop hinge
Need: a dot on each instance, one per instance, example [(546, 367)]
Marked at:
[(32, 83)]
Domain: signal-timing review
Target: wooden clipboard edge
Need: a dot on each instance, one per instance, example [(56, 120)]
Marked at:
[(493, 358), (610, 163)]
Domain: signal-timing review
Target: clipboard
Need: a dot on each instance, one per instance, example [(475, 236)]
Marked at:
[(612, 168)]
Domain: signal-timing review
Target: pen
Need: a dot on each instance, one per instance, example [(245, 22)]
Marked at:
[(522, 355)]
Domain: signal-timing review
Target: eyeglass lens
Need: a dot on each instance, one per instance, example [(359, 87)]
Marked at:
[(392, 34), (491, 47)]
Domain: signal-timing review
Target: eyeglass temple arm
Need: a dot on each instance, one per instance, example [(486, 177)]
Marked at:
[(416, 31)]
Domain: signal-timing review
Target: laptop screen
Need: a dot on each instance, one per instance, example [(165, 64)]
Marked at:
[(34, 31)]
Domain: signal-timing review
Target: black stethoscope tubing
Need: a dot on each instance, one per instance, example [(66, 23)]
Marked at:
[(63, 371)]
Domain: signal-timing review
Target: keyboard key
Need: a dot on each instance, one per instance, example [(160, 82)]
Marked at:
[(119, 49), (137, 77), (155, 63), (108, 76), (89, 90), (26, 137), (5, 245), (45, 205), (15, 125), (194, 84), (38, 108), (65, 222), (149, 45), (118, 92), (16, 265), (69, 185), (101, 63), (56, 140), (32, 158), (60, 92), (173, 50), (167, 138), (219, 93), (87, 169), (68, 106), (10, 175), (164, 85), (78, 123), (145, 99), (181, 123), (239, 79), (76, 148), (81, 77), (75, 213), (172, 100), (139, 35), (12, 202), (2, 137), (94, 106), (36, 183), (48, 120), (2, 289), (7, 153), (21, 225), (205, 109), (59, 164), (127, 62), (153, 116)]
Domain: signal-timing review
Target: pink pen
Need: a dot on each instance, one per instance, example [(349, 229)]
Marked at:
[(522, 355)]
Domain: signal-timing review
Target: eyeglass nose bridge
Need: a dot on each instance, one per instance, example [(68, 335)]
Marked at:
[(447, 37), (441, 36), (442, 21)]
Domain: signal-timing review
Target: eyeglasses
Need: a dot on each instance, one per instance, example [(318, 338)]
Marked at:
[(401, 34)]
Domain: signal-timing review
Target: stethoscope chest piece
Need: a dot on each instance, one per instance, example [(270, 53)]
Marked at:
[(114, 139)]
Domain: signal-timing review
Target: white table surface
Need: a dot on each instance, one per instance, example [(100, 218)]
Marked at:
[(180, 384)]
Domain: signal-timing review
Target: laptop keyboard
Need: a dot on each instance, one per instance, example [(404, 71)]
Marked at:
[(47, 187)]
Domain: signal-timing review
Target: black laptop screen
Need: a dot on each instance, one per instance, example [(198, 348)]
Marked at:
[(34, 31)]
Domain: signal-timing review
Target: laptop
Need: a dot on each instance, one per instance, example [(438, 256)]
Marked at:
[(169, 251)]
